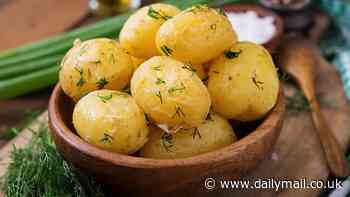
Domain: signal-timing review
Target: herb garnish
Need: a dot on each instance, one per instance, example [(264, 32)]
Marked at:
[(167, 141), (101, 83), (189, 67), (176, 88), (297, 102), (160, 81), (107, 138), (159, 95), (105, 98), (178, 112), (81, 80), (157, 68), (232, 54), (166, 50), (209, 117), (196, 133), (257, 83), (157, 14)]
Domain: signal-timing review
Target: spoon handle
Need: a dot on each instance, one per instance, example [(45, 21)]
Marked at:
[(333, 152)]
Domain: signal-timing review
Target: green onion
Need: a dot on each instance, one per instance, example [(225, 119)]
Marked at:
[(27, 67), (105, 26), (28, 83)]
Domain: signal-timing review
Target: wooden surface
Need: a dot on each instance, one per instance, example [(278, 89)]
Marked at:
[(24, 21)]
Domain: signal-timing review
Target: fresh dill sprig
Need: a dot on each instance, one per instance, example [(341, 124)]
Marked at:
[(39, 170)]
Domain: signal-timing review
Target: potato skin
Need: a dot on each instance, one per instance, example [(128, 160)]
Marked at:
[(250, 82), (170, 92), (94, 64), (195, 35), (138, 33), (213, 134), (111, 120)]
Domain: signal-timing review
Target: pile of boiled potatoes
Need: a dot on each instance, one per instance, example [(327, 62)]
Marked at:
[(169, 86)]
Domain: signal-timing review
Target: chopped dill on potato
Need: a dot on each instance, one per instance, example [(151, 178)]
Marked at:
[(166, 50), (157, 14), (178, 112), (189, 67), (107, 138), (157, 68), (176, 88), (167, 141), (160, 81), (232, 54), (105, 98), (159, 95), (81, 80), (101, 83), (196, 133), (257, 83)]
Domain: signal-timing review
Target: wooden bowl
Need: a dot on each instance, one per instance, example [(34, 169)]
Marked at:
[(136, 176), (273, 43)]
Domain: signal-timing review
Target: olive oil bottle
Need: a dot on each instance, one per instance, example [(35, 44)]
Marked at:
[(110, 7)]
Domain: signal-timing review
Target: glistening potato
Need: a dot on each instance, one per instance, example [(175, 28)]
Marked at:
[(249, 79), (139, 31), (196, 35), (170, 93), (111, 120), (94, 64), (214, 133)]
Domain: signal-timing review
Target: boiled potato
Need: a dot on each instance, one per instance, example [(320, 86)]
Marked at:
[(196, 35), (94, 64), (170, 93), (111, 120), (137, 62), (249, 79), (138, 33), (214, 133)]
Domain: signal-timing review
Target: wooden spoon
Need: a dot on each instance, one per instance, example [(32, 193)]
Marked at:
[(297, 57)]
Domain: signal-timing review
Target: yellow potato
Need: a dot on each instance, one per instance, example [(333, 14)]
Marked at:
[(196, 35), (243, 82), (139, 32), (137, 62), (170, 93), (111, 120), (94, 64), (213, 134)]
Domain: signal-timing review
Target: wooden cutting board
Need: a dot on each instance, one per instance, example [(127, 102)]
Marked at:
[(297, 153), (24, 21)]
